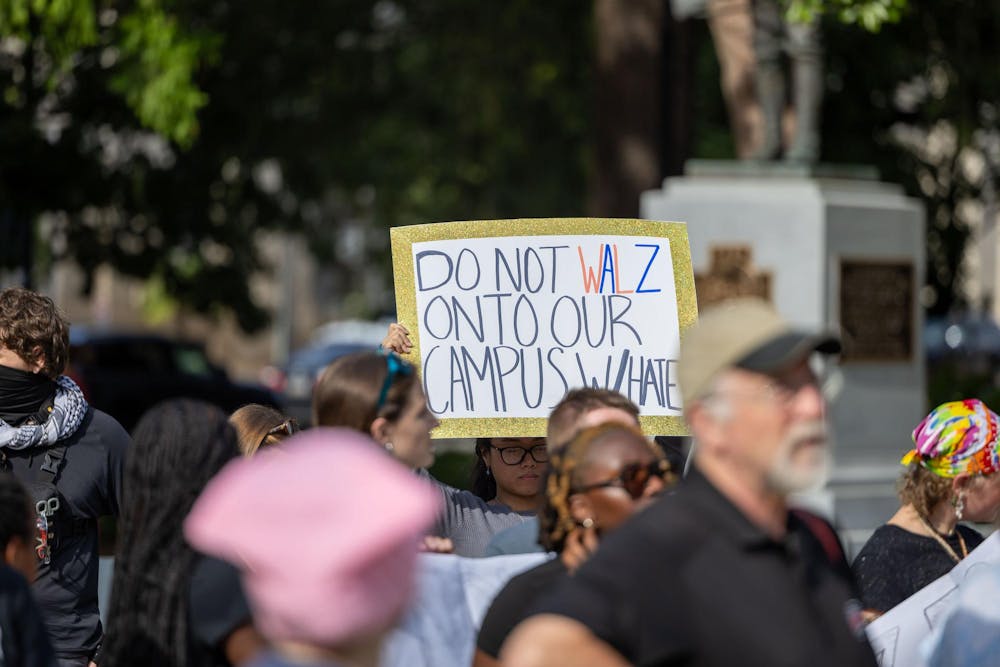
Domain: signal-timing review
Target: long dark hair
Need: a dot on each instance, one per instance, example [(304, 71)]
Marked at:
[(179, 445), (483, 484)]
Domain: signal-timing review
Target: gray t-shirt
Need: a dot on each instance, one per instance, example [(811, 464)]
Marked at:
[(519, 539), (471, 522)]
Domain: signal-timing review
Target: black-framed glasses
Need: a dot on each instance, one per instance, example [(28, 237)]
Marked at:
[(284, 429), (514, 454), (395, 368), (633, 478)]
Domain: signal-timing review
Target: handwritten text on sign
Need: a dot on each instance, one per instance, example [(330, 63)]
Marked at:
[(508, 325)]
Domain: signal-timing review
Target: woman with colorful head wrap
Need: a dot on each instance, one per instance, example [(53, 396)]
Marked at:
[(951, 477)]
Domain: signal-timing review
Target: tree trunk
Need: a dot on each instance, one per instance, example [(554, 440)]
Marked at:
[(628, 104)]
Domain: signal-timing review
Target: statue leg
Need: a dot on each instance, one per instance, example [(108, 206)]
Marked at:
[(806, 53), (768, 75), (731, 25)]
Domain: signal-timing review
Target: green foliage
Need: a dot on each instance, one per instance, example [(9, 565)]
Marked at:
[(177, 130), (158, 61), (454, 468), (156, 71), (869, 14), (65, 26), (920, 102)]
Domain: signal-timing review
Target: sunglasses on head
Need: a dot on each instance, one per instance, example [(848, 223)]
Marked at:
[(282, 430), (633, 478), (395, 368)]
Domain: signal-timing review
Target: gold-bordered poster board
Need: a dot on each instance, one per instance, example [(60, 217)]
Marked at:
[(505, 315)]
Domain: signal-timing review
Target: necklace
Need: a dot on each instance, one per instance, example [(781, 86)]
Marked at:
[(940, 540)]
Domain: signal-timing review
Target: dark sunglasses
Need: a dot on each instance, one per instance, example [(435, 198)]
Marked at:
[(513, 456), (284, 429), (396, 368), (634, 478)]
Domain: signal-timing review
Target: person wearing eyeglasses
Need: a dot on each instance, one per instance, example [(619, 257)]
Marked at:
[(579, 409), (603, 476), (258, 426), (722, 571), (509, 471)]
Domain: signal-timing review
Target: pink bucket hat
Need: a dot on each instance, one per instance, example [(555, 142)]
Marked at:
[(325, 528)]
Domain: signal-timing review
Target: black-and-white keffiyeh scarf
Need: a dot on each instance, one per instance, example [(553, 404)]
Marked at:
[(68, 410)]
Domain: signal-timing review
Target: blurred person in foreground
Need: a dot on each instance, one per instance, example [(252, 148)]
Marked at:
[(604, 475), (952, 476), (221, 621), (328, 554), (179, 445), (259, 426), (380, 395), (23, 639), (69, 457), (720, 572)]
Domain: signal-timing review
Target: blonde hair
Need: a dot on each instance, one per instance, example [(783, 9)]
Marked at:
[(254, 424)]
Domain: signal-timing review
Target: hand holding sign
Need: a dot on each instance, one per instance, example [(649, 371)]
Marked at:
[(397, 339)]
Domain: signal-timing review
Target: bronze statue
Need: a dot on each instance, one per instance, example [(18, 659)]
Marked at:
[(774, 34)]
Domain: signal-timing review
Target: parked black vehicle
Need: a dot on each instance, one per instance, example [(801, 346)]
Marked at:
[(125, 374)]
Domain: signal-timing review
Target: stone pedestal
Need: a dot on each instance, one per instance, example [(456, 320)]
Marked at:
[(830, 247)]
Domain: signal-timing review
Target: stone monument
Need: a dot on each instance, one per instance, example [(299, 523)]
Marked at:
[(830, 247)]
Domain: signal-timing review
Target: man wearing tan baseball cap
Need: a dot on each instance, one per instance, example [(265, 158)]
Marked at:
[(721, 572)]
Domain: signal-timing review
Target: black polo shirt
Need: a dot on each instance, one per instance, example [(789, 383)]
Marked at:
[(690, 581)]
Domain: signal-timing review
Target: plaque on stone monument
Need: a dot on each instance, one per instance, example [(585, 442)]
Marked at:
[(731, 274), (876, 310)]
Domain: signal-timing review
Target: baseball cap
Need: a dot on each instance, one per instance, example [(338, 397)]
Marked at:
[(745, 333)]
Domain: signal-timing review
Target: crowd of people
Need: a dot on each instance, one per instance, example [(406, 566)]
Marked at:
[(245, 540)]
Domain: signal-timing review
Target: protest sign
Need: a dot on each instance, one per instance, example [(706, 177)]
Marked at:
[(896, 636), (507, 315)]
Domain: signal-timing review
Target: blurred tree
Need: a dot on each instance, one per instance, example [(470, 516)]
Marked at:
[(927, 90), (158, 136), (629, 116)]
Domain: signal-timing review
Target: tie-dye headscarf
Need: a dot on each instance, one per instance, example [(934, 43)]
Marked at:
[(957, 437)]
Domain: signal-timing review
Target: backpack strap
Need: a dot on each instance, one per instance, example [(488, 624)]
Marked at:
[(54, 457), (822, 531)]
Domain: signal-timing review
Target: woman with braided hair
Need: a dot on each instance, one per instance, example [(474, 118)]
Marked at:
[(951, 477), (604, 475), (179, 445)]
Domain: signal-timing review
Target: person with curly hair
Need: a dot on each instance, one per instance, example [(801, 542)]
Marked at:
[(603, 476), (951, 477), (68, 455)]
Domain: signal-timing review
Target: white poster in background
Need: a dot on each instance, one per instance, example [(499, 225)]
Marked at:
[(509, 324), (897, 635)]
